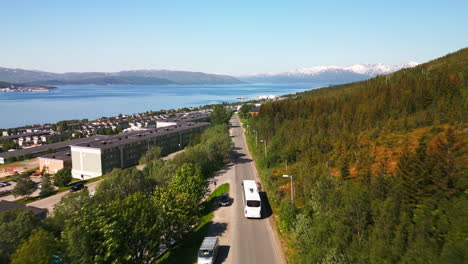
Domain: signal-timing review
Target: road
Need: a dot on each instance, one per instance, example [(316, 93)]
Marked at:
[(243, 240), (49, 202)]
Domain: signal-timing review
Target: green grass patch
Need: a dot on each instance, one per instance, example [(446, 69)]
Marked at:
[(186, 251)]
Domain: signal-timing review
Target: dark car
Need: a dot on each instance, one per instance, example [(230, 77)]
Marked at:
[(224, 200), (4, 184), (77, 187), (14, 179)]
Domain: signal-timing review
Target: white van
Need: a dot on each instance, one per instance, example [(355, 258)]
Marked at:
[(208, 250), (252, 201)]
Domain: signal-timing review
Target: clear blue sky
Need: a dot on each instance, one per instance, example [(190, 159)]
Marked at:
[(230, 37)]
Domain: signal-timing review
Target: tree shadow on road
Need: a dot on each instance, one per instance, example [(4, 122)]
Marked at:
[(217, 229), (238, 157)]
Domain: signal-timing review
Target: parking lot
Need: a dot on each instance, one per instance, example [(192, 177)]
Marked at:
[(10, 197), (19, 166)]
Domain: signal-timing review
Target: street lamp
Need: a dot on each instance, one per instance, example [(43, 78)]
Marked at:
[(265, 143), (292, 190), (256, 138)]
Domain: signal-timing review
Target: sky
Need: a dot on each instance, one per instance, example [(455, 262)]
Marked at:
[(226, 37)]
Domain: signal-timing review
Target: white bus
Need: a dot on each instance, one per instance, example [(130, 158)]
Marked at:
[(252, 202)]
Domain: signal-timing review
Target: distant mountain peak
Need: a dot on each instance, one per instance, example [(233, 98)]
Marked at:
[(364, 69), (330, 74)]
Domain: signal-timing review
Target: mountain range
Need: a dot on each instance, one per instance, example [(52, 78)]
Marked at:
[(318, 74), (147, 77), (330, 74)]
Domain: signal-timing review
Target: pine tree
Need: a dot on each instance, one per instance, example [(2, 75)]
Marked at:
[(46, 186)]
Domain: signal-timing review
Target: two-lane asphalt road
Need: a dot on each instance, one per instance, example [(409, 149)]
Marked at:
[(253, 240)]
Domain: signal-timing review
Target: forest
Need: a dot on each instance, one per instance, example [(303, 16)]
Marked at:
[(378, 166)]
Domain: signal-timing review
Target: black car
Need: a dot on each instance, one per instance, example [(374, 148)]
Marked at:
[(77, 187), (14, 179), (4, 184), (224, 199)]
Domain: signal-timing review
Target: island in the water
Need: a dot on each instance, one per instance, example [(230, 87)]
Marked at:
[(15, 87)]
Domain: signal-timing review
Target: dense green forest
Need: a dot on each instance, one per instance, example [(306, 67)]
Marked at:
[(132, 213), (379, 167)]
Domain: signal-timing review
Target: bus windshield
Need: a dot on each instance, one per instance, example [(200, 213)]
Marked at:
[(204, 253), (253, 203)]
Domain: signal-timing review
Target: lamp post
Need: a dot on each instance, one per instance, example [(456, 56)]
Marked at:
[(256, 138), (265, 143), (292, 190)]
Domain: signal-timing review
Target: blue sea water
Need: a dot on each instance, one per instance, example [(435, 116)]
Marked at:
[(93, 101)]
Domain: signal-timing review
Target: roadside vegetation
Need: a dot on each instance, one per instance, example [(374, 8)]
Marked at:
[(132, 213), (187, 250), (379, 167)]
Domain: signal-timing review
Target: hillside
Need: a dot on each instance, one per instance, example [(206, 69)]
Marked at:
[(153, 77), (110, 80), (379, 167)]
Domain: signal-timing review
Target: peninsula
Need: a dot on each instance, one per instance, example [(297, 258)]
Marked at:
[(14, 87)]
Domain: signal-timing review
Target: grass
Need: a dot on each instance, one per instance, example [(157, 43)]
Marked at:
[(186, 251)]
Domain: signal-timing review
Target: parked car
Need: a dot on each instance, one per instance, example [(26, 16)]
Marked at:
[(4, 184), (77, 187), (208, 250), (14, 179), (39, 185), (224, 200)]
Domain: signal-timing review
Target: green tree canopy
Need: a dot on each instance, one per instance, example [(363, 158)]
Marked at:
[(220, 115), (244, 110), (39, 248), (24, 187), (152, 154), (15, 227), (46, 185), (63, 177)]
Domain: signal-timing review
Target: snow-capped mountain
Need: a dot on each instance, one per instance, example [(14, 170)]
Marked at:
[(327, 74)]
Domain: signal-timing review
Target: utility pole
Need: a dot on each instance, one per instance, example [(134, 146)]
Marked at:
[(256, 138), (265, 144)]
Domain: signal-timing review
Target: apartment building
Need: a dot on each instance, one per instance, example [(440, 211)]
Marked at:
[(96, 158)]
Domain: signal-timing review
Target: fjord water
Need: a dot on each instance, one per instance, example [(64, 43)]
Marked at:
[(93, 101)]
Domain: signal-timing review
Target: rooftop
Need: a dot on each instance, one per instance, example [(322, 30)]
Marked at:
[(58, 145), (209, 243), (61, 155), (38, 133), (255, 110), (192, 117), (136, 136), (8, 206)]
